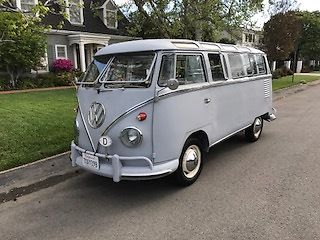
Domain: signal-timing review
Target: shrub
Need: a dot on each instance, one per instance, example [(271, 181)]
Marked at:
[(62, 65), (306, 69), (276, 73), (281, 72)]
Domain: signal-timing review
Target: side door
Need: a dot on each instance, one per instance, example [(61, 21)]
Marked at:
[(178, 113), (226, 95)]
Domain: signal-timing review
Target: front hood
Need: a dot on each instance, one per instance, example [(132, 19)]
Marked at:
[(116, 102)]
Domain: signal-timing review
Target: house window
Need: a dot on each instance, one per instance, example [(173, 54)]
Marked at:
[(111, 19), (61, 51), (75, 11), (250, 38), (26, 5)]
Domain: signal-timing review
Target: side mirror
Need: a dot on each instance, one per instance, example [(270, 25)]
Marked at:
[(173, 84)]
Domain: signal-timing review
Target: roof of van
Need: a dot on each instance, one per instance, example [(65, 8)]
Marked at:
[(171, 44)]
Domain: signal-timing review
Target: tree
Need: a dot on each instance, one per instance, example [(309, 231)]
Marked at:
[(281, 6), (281, 35), (309, 47), (192, 19), (23, 44)]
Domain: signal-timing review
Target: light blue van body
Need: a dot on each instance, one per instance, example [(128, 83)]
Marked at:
[(213, 109)]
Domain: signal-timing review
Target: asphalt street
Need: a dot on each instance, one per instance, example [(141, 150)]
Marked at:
[(265, 190)]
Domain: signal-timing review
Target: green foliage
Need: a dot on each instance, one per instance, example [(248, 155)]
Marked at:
[(281, 72), (198, 19), (40, 81), (281, 35), (309, 47), (227, 41), (23, 43)]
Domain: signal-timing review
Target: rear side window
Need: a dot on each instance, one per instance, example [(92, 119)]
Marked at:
[(216, 67), (189, 69), (236, 65), (261, 63), (250, 64)]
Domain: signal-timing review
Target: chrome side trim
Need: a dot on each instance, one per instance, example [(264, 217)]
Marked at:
[(229, 135), (130, 110), (86, 127), (210, 85)]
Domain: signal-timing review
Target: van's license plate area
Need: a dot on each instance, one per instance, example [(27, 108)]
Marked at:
[(90, 161)]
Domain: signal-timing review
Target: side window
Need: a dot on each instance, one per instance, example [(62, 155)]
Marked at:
[(236, 65), (216, 67), (189, 69), (250, 64), (261, 64), (167, 69)]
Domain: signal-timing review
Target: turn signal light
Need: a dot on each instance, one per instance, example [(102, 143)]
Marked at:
[(142, 116)]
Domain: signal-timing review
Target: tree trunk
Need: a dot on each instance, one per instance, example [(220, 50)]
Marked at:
[(14, 76), (198, 32)]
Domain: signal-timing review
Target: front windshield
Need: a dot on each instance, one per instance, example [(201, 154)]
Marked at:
[(92, 73), (130, 69)]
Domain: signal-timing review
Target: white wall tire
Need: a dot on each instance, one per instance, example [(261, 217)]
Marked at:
[(253, 132), (190, 162)]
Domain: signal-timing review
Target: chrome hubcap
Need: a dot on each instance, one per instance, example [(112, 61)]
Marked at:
[(191, 161), (257, 127)]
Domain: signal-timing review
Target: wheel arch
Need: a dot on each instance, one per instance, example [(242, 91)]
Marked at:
[(202, 136)]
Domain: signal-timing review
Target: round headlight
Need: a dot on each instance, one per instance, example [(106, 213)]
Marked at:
[(131, 136)]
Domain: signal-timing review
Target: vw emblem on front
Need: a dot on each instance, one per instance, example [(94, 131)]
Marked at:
[(96, 115)]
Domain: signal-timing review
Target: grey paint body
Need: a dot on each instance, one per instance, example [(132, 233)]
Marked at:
[(173, 115)]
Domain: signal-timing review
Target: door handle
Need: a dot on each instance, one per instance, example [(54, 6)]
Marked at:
[(207, 100)]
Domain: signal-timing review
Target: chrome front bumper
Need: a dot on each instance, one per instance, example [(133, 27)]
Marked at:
[(119, 167)]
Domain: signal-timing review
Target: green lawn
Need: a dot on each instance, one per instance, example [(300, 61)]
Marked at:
[(35, 125), (287, 81)]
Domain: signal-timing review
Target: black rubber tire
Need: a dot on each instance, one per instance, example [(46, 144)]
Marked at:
[(249, 132), (179, 175)]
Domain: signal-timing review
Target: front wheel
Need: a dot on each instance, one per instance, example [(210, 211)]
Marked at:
[(253, 132), (190, 162)]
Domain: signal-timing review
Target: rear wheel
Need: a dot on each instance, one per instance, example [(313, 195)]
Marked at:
[(190, 162), (253, 132)]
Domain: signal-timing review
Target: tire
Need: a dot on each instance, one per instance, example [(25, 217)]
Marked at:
[(189, 171), (253, 132)]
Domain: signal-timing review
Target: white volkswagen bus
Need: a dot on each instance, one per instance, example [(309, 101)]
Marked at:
[(151, 108)]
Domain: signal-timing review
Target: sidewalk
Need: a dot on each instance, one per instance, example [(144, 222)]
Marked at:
[(36, 90)]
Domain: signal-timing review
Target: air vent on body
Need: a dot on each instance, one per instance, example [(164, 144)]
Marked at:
[(267, 88)]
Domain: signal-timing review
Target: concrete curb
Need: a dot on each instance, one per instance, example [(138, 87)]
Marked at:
[(49, 171), (35, 90), (34, 176), (33, 163)]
